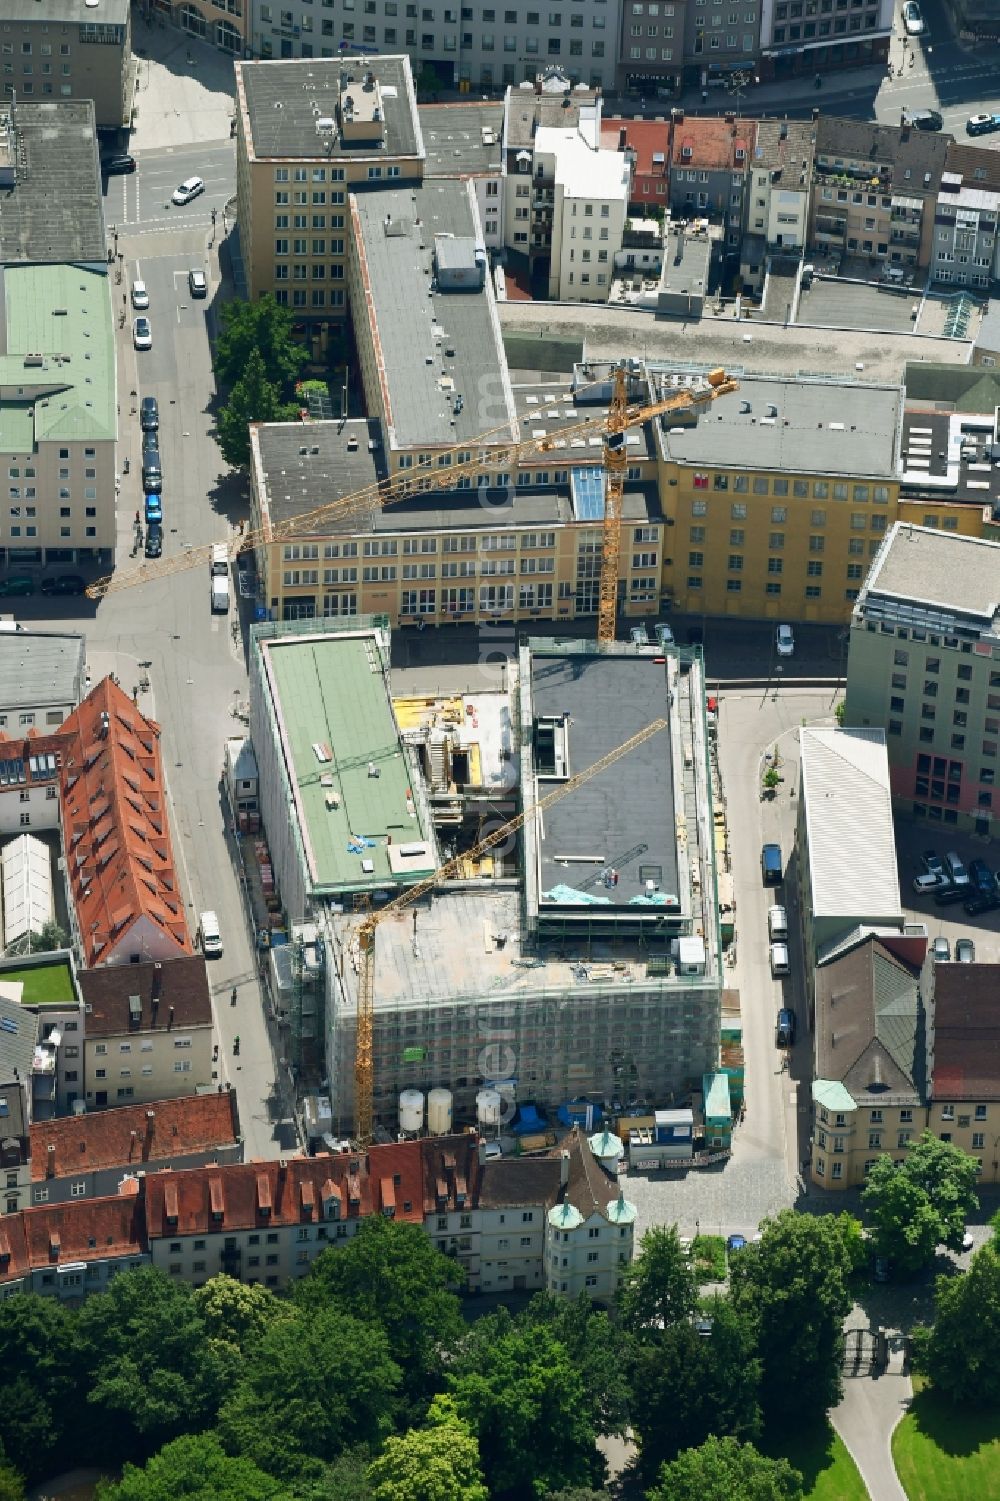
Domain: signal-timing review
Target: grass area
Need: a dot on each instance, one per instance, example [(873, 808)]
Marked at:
[(828, 1471), (44, 984), (946, 1453), (708, 1253)]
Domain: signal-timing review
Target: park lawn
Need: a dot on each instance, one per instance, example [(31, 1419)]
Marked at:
[(818, 1452), (44, 984), (946, 1453)]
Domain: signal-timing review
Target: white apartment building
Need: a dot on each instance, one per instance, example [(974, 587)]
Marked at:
[(777, 204), (588, 188), (450, 44)]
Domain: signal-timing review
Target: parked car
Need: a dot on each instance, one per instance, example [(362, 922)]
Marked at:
[(771, 865), (777, 923), (980, 903), (140, 297), (112, 166), (17, 583), (197, 283), (926, 884), (152, 473), (982, 877), (189, 188), (785, 1030), (779, 960), (957, 873), (941, 949), (967, 1241), (154, 541), (913, 21), (664, 635), (965, 951), (638, 636), (923, 119), (64, 583), (934, 865), (784, 641), (735, 1243), (142, 334), (149, 414), (154, 510), (982, 125), (948, 894)]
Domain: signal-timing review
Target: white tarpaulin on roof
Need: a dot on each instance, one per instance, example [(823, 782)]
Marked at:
[(26, 881)]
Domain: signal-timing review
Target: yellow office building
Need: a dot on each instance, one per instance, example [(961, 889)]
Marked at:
[(777, 497)]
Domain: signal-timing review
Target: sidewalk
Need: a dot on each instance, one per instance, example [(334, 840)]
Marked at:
[(185, 89)]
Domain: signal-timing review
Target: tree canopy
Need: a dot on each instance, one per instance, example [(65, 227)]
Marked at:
[(197, 1468), (793, 1283), (959, 1353), (724, 1470), (262, 327), (253, 398), (237, 1314), (314, 1386), (921, 1202), (659, 1288), (527, 1405), (437, 1463)]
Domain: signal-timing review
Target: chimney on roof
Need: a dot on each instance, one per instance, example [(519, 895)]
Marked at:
[(170, 1017), (622, 138), (133, 1138), (157, 985), (50, 1161), (563, 1169), (783, 132), (105, 724), (815, 113), (150, 1121)]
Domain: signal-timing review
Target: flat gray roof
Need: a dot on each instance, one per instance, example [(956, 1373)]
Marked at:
[(685, 263), (439, 350), (461, 139), (525, 110), (821, 427), (54, 212), (937, 570), (39, 668), (106, 12), (286, 98), (931, 452), (624, 816), (301, 466), (546, 407)]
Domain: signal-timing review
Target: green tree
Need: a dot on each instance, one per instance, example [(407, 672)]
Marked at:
[(960, 1351), (793, 1283), (263, 327), (921, 1202), (599, 1348), (527, 1405), (687, 1386), (390, 1274), (237, 1314), (659, 1288), (39, 1384), (196, 1467), (723, 1470), (314, 1386), (578, 1493), (49, 936), (253, 398), (438, 1463), (11, 1482), (151, 1372), (345, 1479)]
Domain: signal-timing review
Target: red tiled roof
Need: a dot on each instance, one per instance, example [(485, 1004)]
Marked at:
[(966, 1033), (644, 137), (450, 1168), (172, 994), (713, 142), (115, 829), (254, 1194), (135, 1136), (85, 1230)]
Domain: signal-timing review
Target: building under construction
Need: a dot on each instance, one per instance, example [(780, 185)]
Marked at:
[(582, 960)]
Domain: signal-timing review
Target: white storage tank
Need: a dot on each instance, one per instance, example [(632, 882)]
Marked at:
[(439, 1112), (488, 1107), (411, 1110)]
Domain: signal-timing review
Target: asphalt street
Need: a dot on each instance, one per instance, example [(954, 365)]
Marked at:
[(141, 201)]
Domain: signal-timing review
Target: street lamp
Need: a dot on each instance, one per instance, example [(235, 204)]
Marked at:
[(738, 82)]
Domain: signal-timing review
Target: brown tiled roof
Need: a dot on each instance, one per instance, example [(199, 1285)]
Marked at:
[(117, 839), (84, 1230), (451, 1171), (966, 1032), (253, 1195), (139, 1135), (902, 149), (977, 166), (507, 1182), (870, 1024), (178, 983), (590, 1189), (713, 142)]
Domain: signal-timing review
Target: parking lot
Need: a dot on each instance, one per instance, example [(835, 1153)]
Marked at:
[(853, 305), (950, 922)]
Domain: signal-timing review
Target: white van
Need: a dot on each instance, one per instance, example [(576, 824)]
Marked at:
[(220, 595), (211, 938), (779, 959), (219, 565), (777, 923)]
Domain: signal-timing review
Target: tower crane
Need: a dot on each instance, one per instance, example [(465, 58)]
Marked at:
[(363, 1065), (612, 424)]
